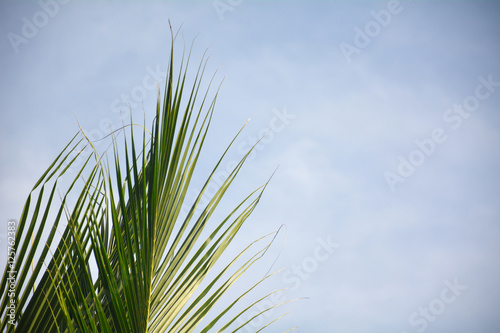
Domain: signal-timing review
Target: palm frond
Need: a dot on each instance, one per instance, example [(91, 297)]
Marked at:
[(154, 267)]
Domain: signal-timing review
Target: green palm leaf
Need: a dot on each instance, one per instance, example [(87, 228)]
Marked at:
[(154, 268)]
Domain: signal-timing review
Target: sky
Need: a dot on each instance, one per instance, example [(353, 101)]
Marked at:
[(381, 118)]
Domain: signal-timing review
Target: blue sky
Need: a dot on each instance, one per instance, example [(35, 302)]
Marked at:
[(351, 93)]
